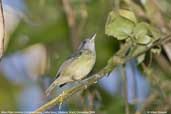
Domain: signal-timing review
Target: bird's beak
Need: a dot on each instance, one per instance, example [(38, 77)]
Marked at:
[(93, 37)]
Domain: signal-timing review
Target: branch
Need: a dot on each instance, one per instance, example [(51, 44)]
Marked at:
[(71, 20), (118, 59), (163, 86), (150, 100), (125, 90), (2, 30)]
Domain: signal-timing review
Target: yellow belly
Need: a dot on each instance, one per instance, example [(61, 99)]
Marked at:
[(80, 67)]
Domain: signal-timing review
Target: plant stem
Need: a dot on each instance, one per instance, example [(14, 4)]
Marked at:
[(125, 90)]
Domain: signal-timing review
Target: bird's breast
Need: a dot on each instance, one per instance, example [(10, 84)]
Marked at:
[(81, 66)]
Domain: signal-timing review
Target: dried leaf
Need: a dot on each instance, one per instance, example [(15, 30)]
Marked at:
[(167, 48)]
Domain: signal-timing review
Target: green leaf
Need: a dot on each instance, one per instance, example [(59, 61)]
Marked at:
[(128, 15), (118, 27), (140, 58), (144, 33), (154, 32), (138, 49), (144, 40), (140, 30)]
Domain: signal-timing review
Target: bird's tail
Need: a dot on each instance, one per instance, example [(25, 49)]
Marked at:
[(50, 88), (53, 85)]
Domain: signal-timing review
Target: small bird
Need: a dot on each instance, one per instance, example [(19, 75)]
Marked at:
[(78, 66)]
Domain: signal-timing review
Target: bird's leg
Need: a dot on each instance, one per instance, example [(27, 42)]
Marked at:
[(61, 100)]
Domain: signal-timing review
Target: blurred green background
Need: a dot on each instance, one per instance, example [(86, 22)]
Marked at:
[(41, 39)]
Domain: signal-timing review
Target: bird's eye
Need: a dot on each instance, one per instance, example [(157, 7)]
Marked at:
[(84, 42)]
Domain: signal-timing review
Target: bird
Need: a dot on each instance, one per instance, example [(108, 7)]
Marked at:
[(77, 66)]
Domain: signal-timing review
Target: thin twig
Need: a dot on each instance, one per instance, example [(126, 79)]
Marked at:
[(125, 90), (83, 20), (71, 19), (153, 78), (149, 101)]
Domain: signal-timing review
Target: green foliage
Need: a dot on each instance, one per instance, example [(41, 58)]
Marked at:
[(119, 26), (124, 25), (47, 24), (140, 33)]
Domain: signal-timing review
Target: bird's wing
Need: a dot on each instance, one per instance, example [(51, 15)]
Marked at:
[(68, 61)]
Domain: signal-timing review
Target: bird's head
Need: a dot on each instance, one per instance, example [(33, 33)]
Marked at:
[(88, 44)]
